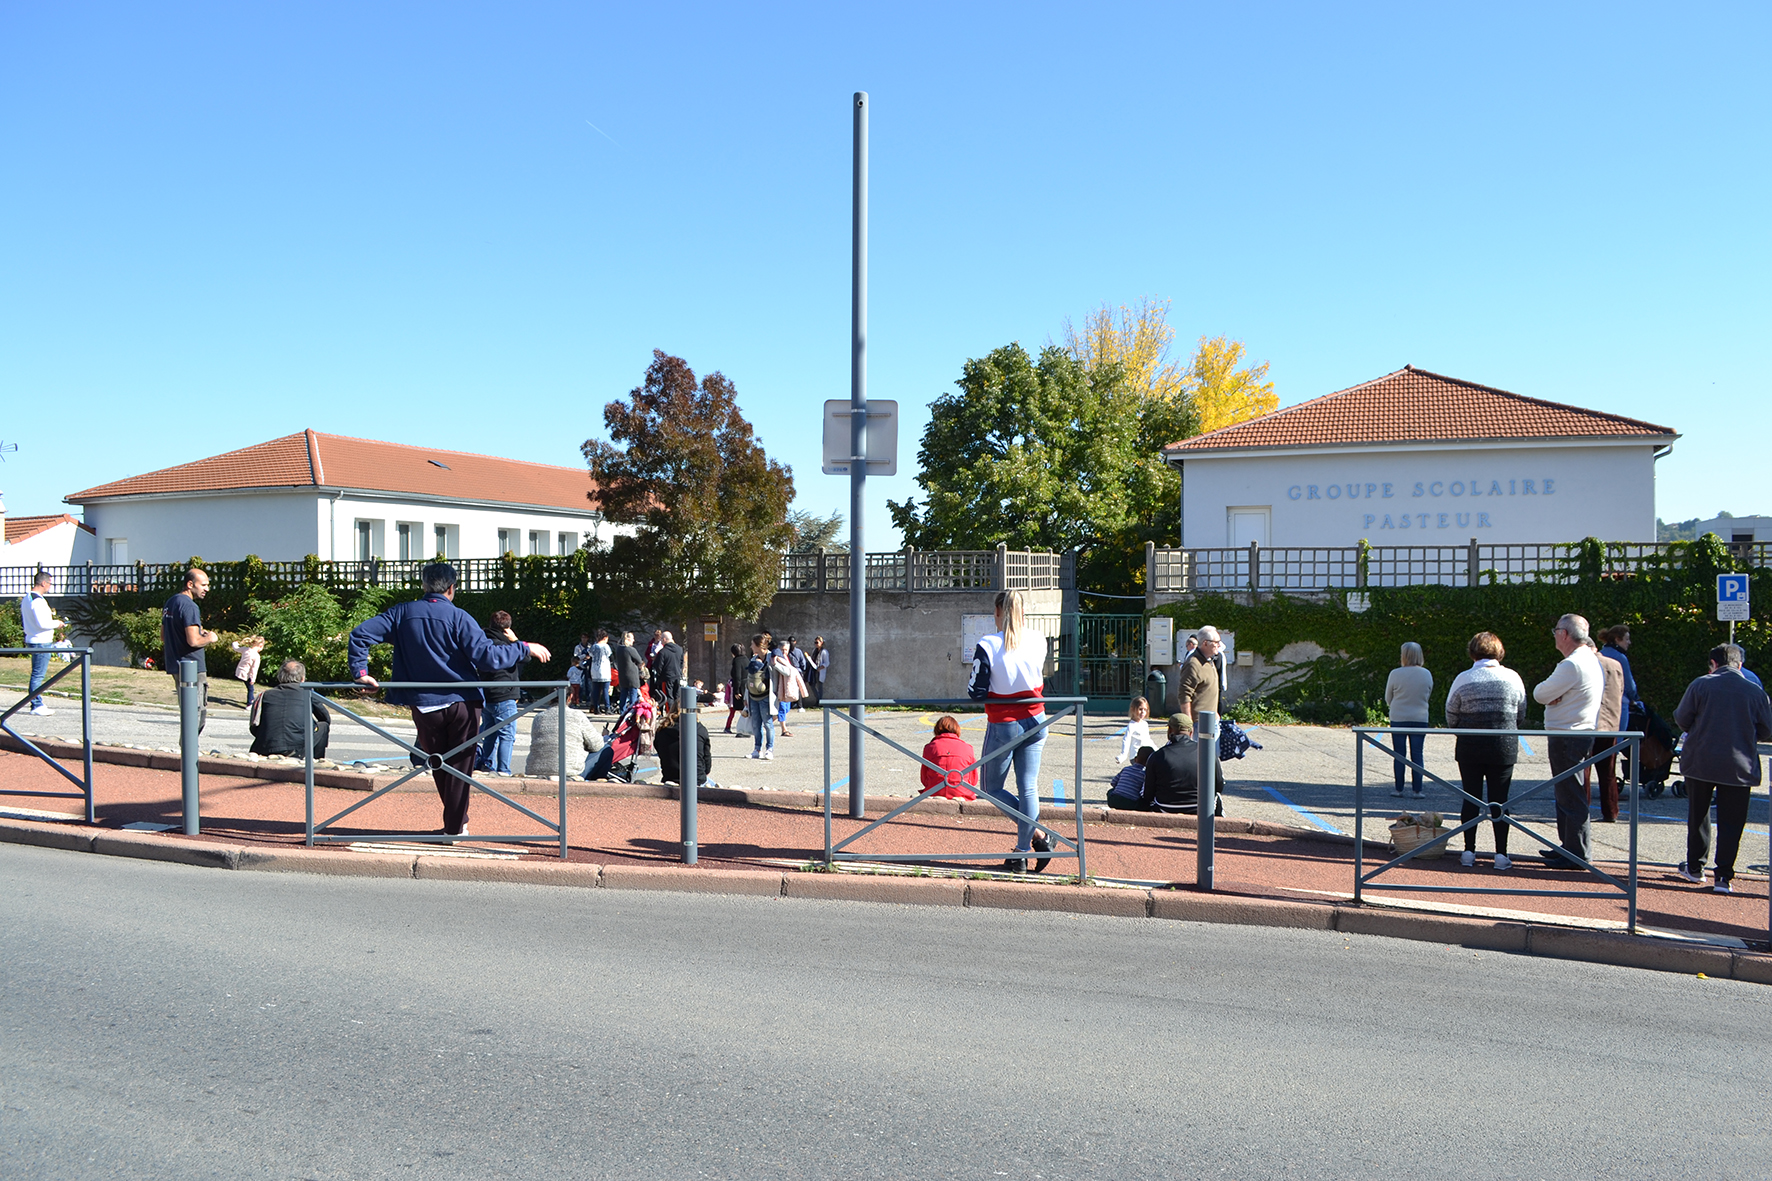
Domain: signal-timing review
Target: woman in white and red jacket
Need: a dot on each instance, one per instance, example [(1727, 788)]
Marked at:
[(1008, 676)]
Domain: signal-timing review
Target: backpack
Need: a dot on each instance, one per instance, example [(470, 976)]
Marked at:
[(756, 683)]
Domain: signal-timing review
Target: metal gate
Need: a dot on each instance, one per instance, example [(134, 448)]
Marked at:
[(1100, 657)]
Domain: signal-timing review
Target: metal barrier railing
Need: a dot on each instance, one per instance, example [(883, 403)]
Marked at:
[(835, 851), (431, 762), (82, 657), (1627, 742)]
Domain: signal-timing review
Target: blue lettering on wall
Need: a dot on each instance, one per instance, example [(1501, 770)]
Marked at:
[(1334, 494), (1387, 492), (1423, 517), (1402, 520), (1464, 519), (1370, 489), (1294, 492), (1482, 522), (1387, 522), (1369, 519), (1475, 491), (1510, 488), (1436, 488), (1418, 491), (1495, 487), (1456, 489), (1548, 490), (1443, 517), (1526, 488), (1310, 494)]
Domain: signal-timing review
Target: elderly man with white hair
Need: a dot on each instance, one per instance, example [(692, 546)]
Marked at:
[(1571, 699), (1197, 684)]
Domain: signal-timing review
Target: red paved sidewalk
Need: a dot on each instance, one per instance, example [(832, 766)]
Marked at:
[(622, 829)]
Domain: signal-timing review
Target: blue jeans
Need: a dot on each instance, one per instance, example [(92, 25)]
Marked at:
[(1409, 746), (630, 697), (495, 748), (39, 671), (599, 696), (1026, 760), (762, 724)]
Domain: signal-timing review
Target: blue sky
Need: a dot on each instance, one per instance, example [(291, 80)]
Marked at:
[(467, 227)]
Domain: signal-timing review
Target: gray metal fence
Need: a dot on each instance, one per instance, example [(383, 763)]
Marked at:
[(426, 763), (1063, 847), (1627, 742), (924, 570), (80, 658)]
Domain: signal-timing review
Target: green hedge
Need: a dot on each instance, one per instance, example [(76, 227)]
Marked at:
[(1670, 607)]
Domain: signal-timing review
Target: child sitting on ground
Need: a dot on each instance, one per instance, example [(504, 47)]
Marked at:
[(1138, 729), (1126, 792), (951, 753)]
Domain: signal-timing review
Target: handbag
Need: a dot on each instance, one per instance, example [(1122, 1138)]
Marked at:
[(742, 725)]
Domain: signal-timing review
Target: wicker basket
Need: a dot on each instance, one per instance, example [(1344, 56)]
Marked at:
[(1408, 834)]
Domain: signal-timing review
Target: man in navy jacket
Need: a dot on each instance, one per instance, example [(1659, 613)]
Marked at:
[(434, 640)]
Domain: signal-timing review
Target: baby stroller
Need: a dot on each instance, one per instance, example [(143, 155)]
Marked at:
[(1657, 751), (624, 742)]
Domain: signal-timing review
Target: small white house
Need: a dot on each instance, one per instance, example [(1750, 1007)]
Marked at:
[(1417, 458), (1738, 530), (342, 499), (58, 540)]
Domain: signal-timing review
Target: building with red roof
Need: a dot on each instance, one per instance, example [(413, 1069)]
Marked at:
[(342, 498), (57, 540), (1420, 458)]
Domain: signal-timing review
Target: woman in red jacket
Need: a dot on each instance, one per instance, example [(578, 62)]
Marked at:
[(953, 755)]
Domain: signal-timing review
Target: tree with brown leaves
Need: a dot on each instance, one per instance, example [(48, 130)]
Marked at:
[(710, 506)]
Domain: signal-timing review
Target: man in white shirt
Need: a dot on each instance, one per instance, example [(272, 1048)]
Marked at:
[(40, 624), (1571, 699)]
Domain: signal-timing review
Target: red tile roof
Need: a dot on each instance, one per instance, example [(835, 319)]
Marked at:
[(21, 528), (314, 460), (1413, 405)]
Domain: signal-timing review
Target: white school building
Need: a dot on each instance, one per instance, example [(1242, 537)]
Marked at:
[(342, 499), (1419, 458)]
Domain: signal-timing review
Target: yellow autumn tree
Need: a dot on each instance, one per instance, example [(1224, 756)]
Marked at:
[(1224, 394), (1135, 338)]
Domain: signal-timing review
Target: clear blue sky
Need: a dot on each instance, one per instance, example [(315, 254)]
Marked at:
[(468, 226)]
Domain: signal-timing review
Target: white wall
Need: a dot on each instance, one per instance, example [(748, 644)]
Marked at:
[(277, 526), (477, 527), (287, 526), (1446, 495)]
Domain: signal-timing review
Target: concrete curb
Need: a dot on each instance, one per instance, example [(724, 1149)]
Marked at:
[(1603, 947)]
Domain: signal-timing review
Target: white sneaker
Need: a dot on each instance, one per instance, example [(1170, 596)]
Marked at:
[(756, 754), (1697, 879), (1467, 858), (1503, 861), (42, 711), (769, 754)]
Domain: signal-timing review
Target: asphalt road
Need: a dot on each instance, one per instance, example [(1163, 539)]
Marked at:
[(162, 1021)]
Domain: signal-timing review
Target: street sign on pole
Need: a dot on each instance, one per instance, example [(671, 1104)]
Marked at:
[(1732, 600), (882, 436)]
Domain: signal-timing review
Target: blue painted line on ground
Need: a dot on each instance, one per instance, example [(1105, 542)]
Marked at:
[(1310, 816)]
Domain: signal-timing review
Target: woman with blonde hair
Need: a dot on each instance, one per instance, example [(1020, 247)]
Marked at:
[(1405, 697), (1008, 676)]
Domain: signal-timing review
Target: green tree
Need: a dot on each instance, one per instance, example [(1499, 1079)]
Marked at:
[(710, 506), (1033, 454), (813, 532)]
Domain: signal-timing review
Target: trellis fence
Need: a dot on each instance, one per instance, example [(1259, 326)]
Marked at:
[(1256, 567)]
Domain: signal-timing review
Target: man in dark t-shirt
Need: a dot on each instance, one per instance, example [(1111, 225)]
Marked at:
[(182, 635)]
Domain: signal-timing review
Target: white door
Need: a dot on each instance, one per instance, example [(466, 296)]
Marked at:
[(1248, 523)]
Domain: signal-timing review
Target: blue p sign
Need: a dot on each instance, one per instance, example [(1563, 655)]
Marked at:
[(1731, 588)]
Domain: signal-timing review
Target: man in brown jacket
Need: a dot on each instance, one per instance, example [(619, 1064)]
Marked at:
[(1611, 712), (1197, 685)]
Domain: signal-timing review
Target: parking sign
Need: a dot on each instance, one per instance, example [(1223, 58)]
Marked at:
[(1732, 600)]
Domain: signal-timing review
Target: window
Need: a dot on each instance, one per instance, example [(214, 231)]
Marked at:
[(117, 551), (365, 549), (568, 543), (538, 541), (448, 541), (410, 540), (507, 542)]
